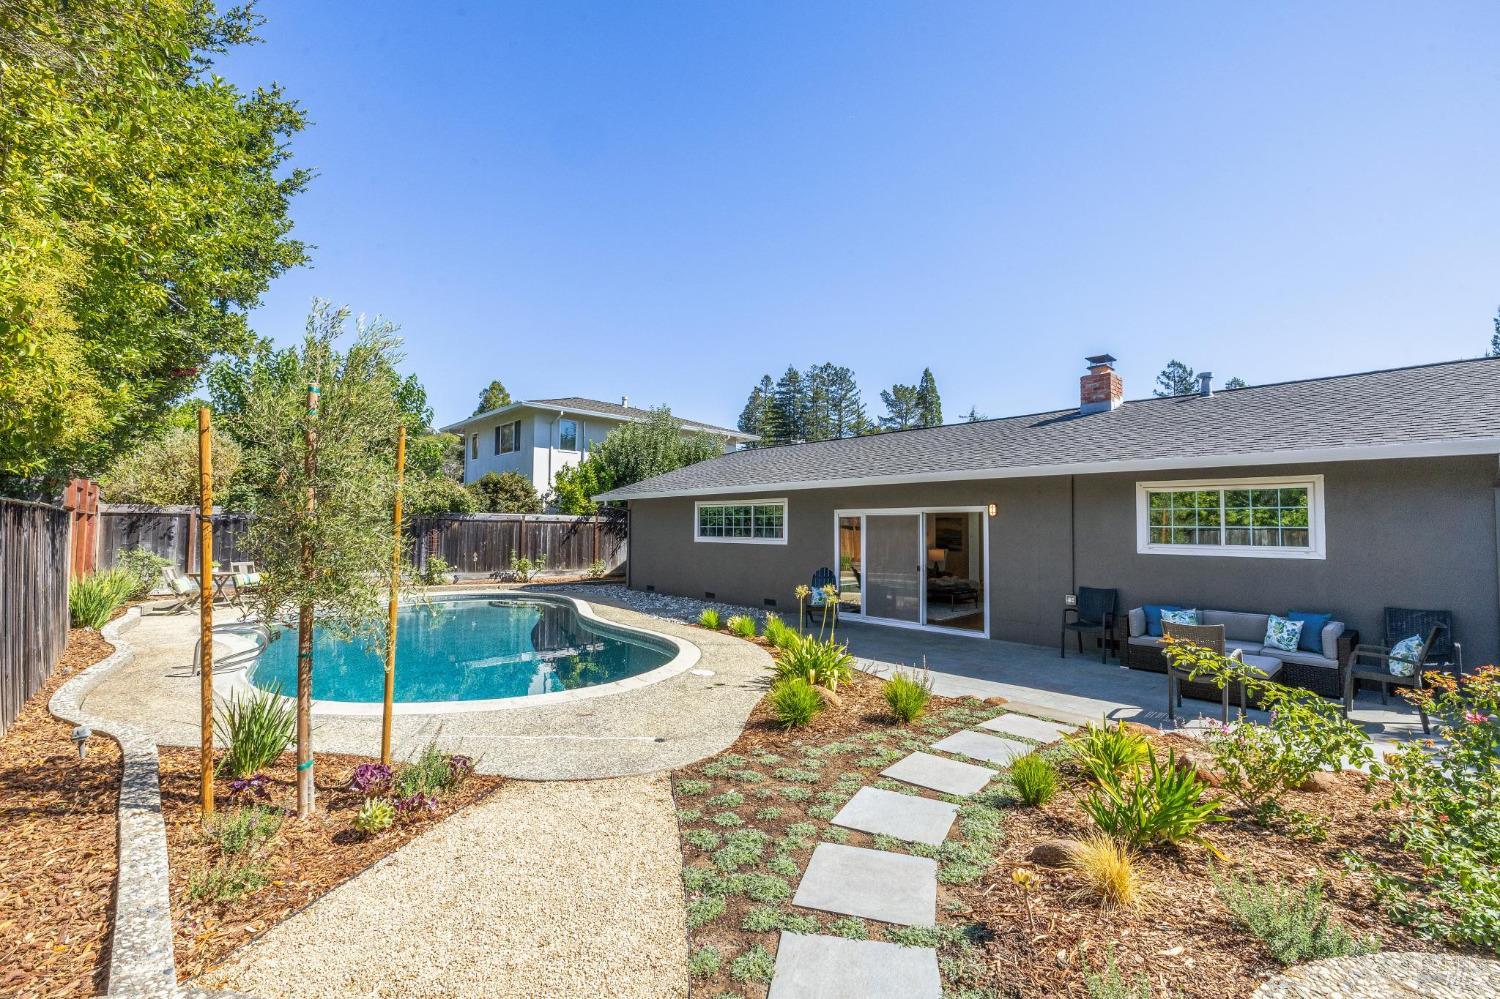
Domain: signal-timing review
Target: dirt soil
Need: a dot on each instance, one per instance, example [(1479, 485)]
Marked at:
[(303, 861), (57, 851), (1181, 937)]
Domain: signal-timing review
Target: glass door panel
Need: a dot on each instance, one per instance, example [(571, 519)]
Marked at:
[(893, 566), (851, 564), (954, 545)]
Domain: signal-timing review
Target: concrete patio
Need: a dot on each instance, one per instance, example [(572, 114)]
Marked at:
[(1079, 684)]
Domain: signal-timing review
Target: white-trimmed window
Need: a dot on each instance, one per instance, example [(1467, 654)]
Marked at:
[(760, 522), (508, 437), (567, 435), (1255, 518)]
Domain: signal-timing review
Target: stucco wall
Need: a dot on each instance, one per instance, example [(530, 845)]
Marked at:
[(1416, 533)]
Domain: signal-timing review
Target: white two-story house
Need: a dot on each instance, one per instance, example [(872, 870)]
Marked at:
[(541, 436)]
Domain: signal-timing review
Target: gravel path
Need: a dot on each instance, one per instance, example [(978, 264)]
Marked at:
[(547, 889), (1388, 976), (661, 726)]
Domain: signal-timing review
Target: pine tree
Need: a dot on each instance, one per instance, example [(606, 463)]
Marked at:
[(494, 396), (1495, 337), (789, 408), (817, 418), (1175, 379), (902, 408), (835, 408), (974, 415), (755, 418), (929, 405), (1238, 382)]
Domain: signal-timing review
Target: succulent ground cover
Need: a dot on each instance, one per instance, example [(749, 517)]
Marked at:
[(262, 864), (751, 817)]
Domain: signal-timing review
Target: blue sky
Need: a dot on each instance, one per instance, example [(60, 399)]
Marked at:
[(665, 200)]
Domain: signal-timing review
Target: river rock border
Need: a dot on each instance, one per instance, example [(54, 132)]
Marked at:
[(1384, 976), (141, 960)]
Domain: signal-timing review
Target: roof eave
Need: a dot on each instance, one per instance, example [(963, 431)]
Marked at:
[(1294, 456), (724, 432)]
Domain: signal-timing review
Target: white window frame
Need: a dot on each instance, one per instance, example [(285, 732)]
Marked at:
[(779, 501), (1317, 535), (561, 436), (514, 426)]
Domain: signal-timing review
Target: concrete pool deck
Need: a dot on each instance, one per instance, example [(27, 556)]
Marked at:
[(662, 725)]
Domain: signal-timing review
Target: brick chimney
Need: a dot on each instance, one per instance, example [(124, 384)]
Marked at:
[(1101, 389)]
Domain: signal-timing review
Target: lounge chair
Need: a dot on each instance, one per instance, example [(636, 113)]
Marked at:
[(184, 589), (1094, 615), (823, 577), (1374, 664), (245, 581)]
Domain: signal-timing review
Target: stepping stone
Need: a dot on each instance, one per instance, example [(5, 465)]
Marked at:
[(873, 884), (990, 748), (1028, 728), (904, 816), (816, 967), (1063, 715), (938, 773)]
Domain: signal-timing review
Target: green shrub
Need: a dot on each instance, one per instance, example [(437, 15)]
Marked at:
[(597, 569), (778, 633), (703, 839), (794, 701), (1159, 805), (243, 830), (1111, 983), (433, 772), (818, 662), (255, 729), (692, 786), (93, 600), (907, 694), (705, 962), (741, 626), (144, 567), (375, 815), (526, 569), (1106, 752), (850, 928), (1035, 779), (227, 881), (709, 618), (1294, 924), (1449, 797), (729, 799), (435, 571), (701, 911), (754, 965)]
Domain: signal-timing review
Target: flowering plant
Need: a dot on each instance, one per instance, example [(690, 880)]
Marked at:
[(255, 786), (371, 779), (414, 805), (1451, 793)]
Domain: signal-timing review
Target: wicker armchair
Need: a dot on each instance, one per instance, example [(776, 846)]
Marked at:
[(1211, 637), (1372, 663)]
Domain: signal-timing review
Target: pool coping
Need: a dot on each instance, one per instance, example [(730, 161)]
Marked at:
[(686, 657)]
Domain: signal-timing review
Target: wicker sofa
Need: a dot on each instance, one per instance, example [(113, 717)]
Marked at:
[(1246, 631)]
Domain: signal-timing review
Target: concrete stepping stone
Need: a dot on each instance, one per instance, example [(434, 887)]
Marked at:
[(873, 884), (904, 816), (938, 773), (990, 748), (1028, 728), (1047, 711), (817, 967)]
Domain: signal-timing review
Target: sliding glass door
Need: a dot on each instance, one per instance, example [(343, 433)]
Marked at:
[(893, 567)]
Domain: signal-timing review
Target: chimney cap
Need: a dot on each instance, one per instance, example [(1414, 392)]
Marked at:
[(1205, 383), (1099, 359)]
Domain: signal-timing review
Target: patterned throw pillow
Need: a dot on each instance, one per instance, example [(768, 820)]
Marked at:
[(1283, 633), (1403, 661), (244, 580), (1179, 616), (181, 585)]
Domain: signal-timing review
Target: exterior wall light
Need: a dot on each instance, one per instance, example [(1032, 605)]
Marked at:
[(993, 509)]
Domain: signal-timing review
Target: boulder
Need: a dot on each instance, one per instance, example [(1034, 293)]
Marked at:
[(1320, 782), (1139, 729), (1054, 852), (830, 699), (1207, 775), (995, 701)]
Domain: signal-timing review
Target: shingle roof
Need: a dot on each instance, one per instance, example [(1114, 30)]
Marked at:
[(1452, 407)]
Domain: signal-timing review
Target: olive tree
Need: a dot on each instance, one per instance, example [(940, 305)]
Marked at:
[(317, 431)]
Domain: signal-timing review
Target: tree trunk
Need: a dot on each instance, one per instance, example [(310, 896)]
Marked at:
[(305, 624)]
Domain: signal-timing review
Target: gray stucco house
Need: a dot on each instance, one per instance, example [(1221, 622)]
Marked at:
[(1342, 495)]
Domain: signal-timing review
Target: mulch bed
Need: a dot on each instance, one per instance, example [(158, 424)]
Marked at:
[(57, 850), (1181, 938), (303, 861)]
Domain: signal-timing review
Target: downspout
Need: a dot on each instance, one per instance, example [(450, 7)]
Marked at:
[(551, 446)]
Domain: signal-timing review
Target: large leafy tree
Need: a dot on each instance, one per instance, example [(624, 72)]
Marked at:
[(164, 471), (494, 396), (903, 408), (336, 558), (144, 208), (505, 492), (630, 453)]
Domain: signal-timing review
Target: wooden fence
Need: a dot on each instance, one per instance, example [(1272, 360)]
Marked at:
[(482, 543), (169, 531), (34, 562)]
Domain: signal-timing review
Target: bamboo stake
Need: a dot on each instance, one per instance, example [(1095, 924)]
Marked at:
[(205, 616), (305, 622), (390, 641)]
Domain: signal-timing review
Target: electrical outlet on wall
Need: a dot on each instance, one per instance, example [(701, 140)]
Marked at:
[(1070, 600)]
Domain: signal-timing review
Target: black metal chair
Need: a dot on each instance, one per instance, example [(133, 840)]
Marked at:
[(823, 577), (1403, 622), (1094, 615), (1372, 663)]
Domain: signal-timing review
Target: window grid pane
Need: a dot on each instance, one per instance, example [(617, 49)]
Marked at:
[(1270, 517), (759, 521)]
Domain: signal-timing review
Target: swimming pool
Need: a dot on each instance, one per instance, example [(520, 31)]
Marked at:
[(473, 652)]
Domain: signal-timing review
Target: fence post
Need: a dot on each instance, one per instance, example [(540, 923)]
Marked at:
[(81, 500)]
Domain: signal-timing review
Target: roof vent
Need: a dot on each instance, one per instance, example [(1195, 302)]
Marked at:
[(1101, 389), (625, 401), (1205, 383)]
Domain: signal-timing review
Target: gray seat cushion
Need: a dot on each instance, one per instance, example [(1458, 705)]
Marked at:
[(1144, 640), (1264, 665), (1302, 658), (1248, 648), (1239, 626)]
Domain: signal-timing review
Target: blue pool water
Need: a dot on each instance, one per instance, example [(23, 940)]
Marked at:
[(467, 650)]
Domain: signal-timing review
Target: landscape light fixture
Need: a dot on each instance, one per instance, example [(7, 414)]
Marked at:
[(80, 737)]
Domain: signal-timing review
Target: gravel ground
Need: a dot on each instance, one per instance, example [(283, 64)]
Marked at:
[(662, 726), (1388, 976), (547, 889)]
